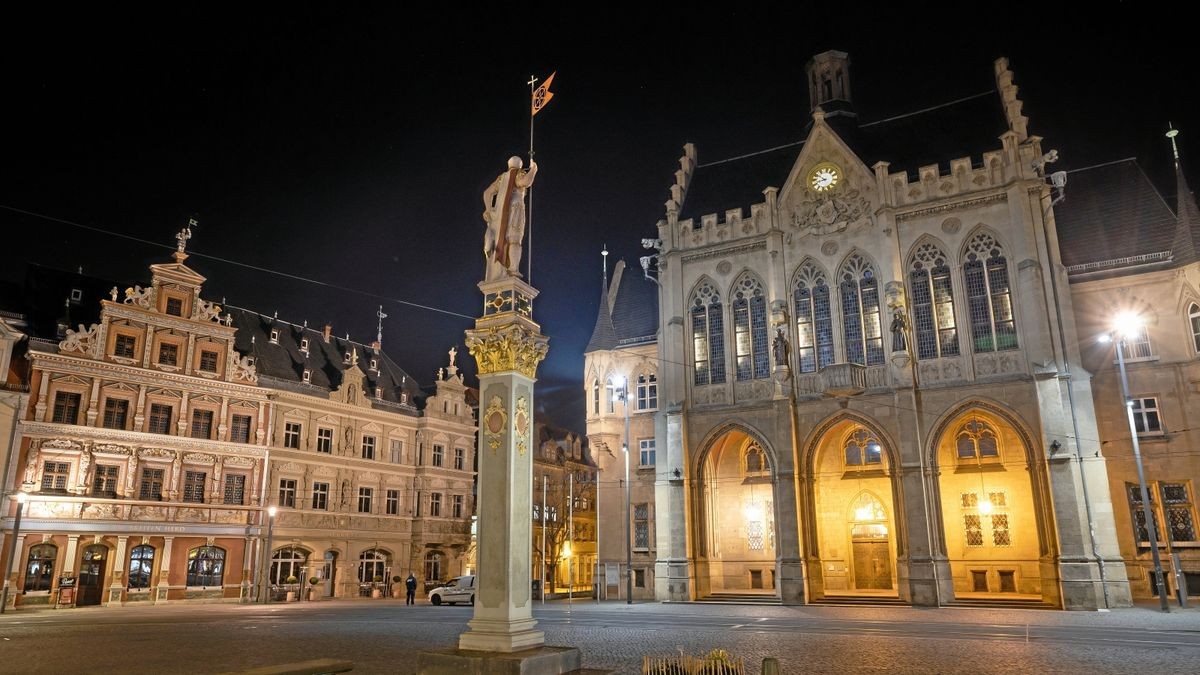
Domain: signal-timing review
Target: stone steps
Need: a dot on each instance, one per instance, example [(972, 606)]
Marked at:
[(859, 601), (741, 599)]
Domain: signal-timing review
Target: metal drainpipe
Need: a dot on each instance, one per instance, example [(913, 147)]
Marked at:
[(1062, 338)]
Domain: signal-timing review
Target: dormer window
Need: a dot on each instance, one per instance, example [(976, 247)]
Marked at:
[(274, 336), (307, 375), (76, 295), (374, 364), (304, 345), (378, 392), (346, 359), (175, 306)]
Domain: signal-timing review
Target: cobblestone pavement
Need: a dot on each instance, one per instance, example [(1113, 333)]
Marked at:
[(384, 636)]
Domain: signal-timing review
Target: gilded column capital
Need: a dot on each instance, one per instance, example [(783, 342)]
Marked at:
[(507, 348)]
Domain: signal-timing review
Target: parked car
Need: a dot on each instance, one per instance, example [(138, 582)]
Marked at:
[(458, 589)]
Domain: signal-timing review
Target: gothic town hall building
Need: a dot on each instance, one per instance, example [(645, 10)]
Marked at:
[(863, 366)]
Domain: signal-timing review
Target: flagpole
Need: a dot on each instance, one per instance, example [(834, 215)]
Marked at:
[(529, 213)]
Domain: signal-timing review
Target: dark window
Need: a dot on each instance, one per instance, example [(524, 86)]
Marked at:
[(320, 497), (291, 435), (1178, 504), (168, 354), (639, 578), (235, 488), (239, 429), (287, 493), (104, 481), (39, 567), (368, 447), (393, 502), (54, 476), (325, 440), (458, 506), (160, 418), (175, 306), (151, 486), (202, 423), (208, 361), (641, 525), (459, 459), (116, 412), (862, 448), (206, 566), (141, 566), (193, 486), (66, 408), (125, 347), (364, 499), (435, 504), (438, 452)]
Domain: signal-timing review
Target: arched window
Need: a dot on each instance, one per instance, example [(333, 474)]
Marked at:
[(708, 335), (976, 440), (288, 562), (206, 566), (39, 569), (433, 566), (1194, 322), (372, 565), (989, 296), (596, 396), (610, 393), (814, 319), (141, 566), (933, 304), (861, 324), (647, 391), (755, 461), (862, 449), (750, 329)]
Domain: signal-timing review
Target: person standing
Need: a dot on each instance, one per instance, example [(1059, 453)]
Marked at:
[(410, 586)]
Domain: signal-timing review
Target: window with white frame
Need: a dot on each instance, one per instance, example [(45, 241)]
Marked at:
[(932, 304), (646, 454), (368, 447), (1137, 343), (610, 393), (364, 499), (596, 396), (1194, 324), (320, 496), (708, 335), (325, 440), (397, 450), (392, 503), (435, 504), (1146, 419), (287, 492), (439, 452), (460, 459), (647, 391), (291, 434)]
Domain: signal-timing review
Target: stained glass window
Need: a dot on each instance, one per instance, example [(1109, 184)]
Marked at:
[(708, 335), (989, 298), (814, 319), (932, 304), (861, 323)]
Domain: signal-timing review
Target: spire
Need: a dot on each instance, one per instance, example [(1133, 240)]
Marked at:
[(1186, 246), (379, 330), (604, 335)]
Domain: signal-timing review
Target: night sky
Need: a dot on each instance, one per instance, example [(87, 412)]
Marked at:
[(353, 148)]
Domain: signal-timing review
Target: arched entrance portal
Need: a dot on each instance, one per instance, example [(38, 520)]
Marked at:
[(853, 537), (995, 534), (738, 549)]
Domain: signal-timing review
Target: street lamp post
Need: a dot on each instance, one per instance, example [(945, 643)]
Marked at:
[(624, 396), (1127, 325), (266, 576), (12, 550)]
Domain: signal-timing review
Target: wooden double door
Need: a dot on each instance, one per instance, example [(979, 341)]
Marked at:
[(872, 564), (91, 576)]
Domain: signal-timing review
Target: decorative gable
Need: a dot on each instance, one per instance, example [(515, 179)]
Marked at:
[(829, 189)]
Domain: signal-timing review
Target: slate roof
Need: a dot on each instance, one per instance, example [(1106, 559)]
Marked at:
[(1185, 246), (1112, 212), (635, 310), (965, 127), (604, 336)]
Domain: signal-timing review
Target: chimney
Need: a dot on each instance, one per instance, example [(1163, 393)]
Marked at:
[(328, 330), (376, 346)]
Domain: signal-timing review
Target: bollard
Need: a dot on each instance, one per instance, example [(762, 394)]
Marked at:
[(770, 666)]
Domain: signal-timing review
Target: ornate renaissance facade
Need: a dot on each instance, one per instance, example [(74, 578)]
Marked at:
[(868, 374), (157, 436)]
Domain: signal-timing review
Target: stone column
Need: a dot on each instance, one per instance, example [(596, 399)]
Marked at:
[(118, 575), (164, 572), (69, 558), (247, 555), (508, 346)]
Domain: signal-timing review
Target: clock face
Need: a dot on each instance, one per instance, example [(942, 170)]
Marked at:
[(824, 177)]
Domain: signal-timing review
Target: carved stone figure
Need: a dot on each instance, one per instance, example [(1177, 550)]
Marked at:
[(207, 311), (899, 330), (113, 293), (829, 212), (244, 370), (345, 493), (142, 297), (85, 341), (780, 348), (504, 212)]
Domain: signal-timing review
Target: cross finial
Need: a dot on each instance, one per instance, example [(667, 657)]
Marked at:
[(379, 330), (532, 82), (1172, 132)]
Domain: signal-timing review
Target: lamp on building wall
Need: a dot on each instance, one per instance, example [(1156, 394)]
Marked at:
[(622, 394), (1128, 325), (21, 498)]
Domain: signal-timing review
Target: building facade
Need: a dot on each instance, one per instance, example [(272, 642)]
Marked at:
[(156, 437), (564, 511), (867, 369)]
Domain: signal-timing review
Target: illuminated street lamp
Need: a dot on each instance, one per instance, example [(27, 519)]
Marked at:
[(266, 577), (12, 549), (622, 394), (1125, 326)]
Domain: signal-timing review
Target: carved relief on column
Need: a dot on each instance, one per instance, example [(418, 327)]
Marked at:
[(83, 477), (218, 490), (164, 571), (139, 414), (255, 483), (72, 548), (149, 345), (260, 433), (119, 560), (131, 473), (223, 427), (176, 470), (43, 389), (512, 347), (31, 465), (93, 410), (191, 349), (181, 424)]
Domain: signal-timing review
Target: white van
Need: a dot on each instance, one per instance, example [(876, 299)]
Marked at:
[(458, 589)]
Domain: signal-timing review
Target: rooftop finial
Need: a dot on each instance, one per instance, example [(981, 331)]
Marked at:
[(379, 330), (1172, 132), (604, 263), (185, 234)]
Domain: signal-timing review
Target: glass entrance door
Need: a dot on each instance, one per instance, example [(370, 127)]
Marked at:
[(91, 575), (327, 570)]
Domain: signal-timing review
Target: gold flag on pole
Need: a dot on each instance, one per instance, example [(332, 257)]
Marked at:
[(542, 95)]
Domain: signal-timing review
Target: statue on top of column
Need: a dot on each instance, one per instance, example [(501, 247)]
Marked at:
[(504, 212)]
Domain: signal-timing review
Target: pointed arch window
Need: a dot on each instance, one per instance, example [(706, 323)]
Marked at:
[(814, 319), (989, 296), (708, 335), (933, 304), (750, 329), (976, 441), (861, 324), (755, 461), (596, 396), (610, 393), (862, 449), (1194, 322)]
